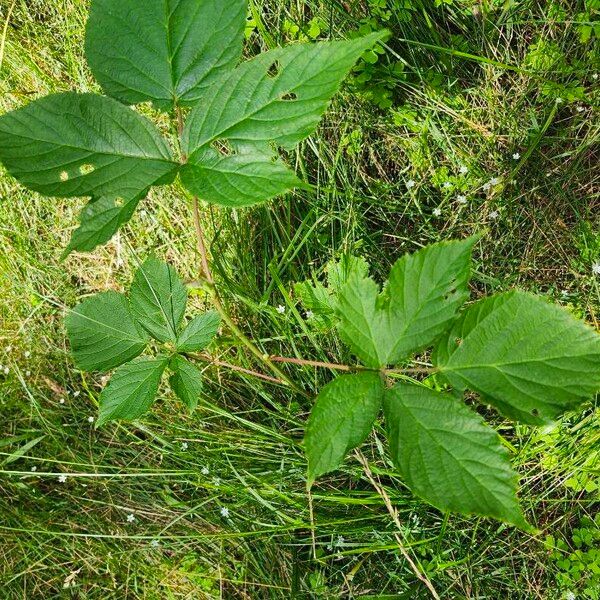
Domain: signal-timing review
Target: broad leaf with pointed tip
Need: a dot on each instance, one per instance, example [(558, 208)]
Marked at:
[(83, 145), (166, 51), (99, 221), (131, 390), (275, 99), (186, 382), (103, 333), (341, 420), (420, 300), (448, 456), (199, 332), (530, 359), (236, 181), (158, 299)]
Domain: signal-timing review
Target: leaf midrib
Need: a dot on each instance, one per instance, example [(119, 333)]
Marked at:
[(110, 328)]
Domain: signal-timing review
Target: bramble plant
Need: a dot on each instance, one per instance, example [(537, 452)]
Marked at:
[(527, 358)]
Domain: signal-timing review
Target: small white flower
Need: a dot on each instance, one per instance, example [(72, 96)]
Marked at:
[(596, 268), (495, 180), (216, 481), (461, 199), (494, 214), (155, 543), (570, 596), (33, 469), (205, 471), (90, 419), (410, 184), (27, 373), (184, 446), (559, 101), (224, 512), (340, 541), (463, 170), (595, 76), (487, 186), (76, 394), (437, 211), (62, 478), (27, 354), (447, 185), (6, 370), (329, 547), (61, 401), (516, 156), (281, 309), (130, 518), (580, 108), (309, 314)]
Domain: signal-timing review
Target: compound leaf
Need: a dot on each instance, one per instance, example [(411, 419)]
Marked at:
[(131, 390), (166, 51), (186, 382), (83, 145), (158, 299), (103, 333), (199, 332), (424, 291), (448, 456), (530, 359), (99, 221), (275, 99), (341, 420)]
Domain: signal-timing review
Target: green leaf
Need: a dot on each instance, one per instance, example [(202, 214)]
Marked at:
[(341, 420), (83, 145), (199, 332), (424, 291), (236, 180), (103, 333), (166, 51), (275, 99), (448, 456), (321, 301), (99, 221), (530, 359), (131, 390), (158, 299), (186, 382)]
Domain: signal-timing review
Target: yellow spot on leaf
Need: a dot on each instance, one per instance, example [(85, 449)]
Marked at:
[(86, 169)]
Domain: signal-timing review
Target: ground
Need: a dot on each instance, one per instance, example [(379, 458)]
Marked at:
[(480, 116)]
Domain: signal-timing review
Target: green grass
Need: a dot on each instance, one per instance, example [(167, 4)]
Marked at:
[(473, 91)]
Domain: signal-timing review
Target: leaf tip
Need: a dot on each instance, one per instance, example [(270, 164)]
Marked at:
[(65, 253)]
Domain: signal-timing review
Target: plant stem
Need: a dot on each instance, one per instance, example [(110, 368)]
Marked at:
[(351, 368), (219, 363), (5, 32), (394, 514), (315, 363), (207, 275)]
